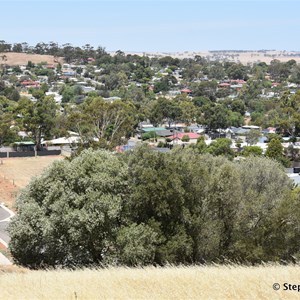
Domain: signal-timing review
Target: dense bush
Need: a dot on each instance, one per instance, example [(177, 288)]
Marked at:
[(146, 207)]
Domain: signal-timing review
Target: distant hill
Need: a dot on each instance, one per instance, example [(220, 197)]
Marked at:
[(13, 58), (242, 56)]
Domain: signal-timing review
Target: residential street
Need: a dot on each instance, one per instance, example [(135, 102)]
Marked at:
[(5, 216), (3, 234)]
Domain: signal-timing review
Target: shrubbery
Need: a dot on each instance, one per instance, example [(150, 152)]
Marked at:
[(146, 207)]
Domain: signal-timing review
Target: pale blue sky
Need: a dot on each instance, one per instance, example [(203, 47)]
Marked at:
[(146, 25)]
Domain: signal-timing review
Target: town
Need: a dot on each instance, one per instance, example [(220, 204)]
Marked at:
[(152, 160), (86, 97)]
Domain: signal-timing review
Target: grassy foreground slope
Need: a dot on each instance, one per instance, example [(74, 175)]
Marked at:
[(211, 282)]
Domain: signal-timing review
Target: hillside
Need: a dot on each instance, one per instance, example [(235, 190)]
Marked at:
[(204, 282), (243, 57), (13, 58)]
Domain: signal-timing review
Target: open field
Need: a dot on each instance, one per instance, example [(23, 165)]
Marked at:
[(13, 59), (243, 57), (15, 173), (215, 282)]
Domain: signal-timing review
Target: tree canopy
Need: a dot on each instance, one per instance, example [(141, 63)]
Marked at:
[(146, 207)]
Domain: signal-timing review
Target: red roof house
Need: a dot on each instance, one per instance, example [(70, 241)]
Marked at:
[(180, 135), (186, 91), (224, 84)]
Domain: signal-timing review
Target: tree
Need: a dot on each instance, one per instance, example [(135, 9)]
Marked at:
[(8, 132), (252, 150), (252, 136), (107, 123), (146, 207), (136, 244), (37, 118), (164, 109), (158, 200), (69, 215), (236, 119), (189, 112), (260, 234), (200, 145), (237, 71), (275, 151), (216, 116), (292, 152), (221, 147), (295, 74), (205, 89), (279, 70), (185, 138)]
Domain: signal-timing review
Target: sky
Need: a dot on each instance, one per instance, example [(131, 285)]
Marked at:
[(156, 26)]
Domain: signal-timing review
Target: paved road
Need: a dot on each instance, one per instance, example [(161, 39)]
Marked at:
[(4, 261), (3, 234), (5, 216)]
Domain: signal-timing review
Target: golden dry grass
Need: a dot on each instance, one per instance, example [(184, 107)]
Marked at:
[(13, 58), (243, 57), (211, 282), (16, 173), (21, 170)]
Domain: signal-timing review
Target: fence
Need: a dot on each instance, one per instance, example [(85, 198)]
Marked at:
[(29, 153)]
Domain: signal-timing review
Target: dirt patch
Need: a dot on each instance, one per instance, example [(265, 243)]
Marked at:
[(8, 192), (13, 59), (2, 248), (16, 173)]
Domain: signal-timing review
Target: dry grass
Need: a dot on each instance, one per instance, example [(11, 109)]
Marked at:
[(13, 58), (243, 57), (8, 192), (15, 173), (215, 282)]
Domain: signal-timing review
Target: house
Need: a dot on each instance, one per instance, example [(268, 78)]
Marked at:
[(224, 85), (145, 124), (186, 91), (238, 81), (49, 66), (87, 89), (63, 141), (150, 129), (250, 127), (175, 126), (30, 83), (164, 133), (178, 136), (196, 128), (57, 97)]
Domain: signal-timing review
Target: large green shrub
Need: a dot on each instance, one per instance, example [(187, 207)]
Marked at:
[(146, 207)]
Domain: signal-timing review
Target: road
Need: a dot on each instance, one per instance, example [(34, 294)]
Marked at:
[(5, 215)]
